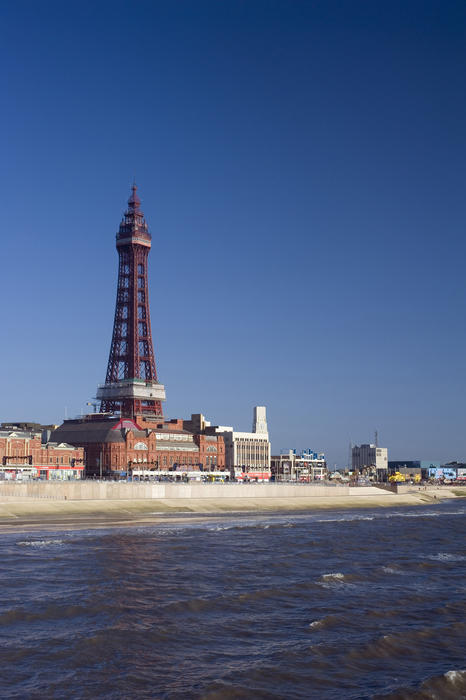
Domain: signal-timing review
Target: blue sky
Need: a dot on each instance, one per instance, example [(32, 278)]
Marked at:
[(302, 169)]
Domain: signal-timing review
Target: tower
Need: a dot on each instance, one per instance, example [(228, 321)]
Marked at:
[(131, 385), (259, 423)]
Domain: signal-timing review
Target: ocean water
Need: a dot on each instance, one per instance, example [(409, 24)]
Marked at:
[(333, 604)]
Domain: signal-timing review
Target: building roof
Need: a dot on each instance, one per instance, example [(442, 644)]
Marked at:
[(84, 431), (20, 434), (58, 446)]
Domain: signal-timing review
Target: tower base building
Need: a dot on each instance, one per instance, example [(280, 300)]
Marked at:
[(117, 447)]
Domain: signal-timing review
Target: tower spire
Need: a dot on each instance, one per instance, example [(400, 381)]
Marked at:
[(131, 384), (134, 202)]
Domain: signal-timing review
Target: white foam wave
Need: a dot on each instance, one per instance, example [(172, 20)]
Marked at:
[(316, 623), (334, 580), (333, 576), (389, 570), (247, 526), (344, 519), (220, 528), (456, 677), (39, 543), (414, 515), (425, 514), (445, 556)]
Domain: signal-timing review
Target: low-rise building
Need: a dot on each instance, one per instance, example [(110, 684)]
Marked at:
[(413, 468), (451, 471), (305, 467), (28, 454)]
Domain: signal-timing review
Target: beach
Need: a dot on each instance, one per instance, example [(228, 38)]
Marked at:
[(30, 512)]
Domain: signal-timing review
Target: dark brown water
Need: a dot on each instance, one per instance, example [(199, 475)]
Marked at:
[(356, 604)]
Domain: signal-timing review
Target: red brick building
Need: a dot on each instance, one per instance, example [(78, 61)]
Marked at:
[(115, 445), (24, 455)]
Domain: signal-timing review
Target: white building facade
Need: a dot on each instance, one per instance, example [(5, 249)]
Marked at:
[(247, 455)]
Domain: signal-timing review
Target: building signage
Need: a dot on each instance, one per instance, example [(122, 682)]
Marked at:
[(259, 476), (442, 473)]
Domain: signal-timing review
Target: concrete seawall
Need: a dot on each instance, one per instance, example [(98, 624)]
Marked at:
[(110, 490), (34, 505)]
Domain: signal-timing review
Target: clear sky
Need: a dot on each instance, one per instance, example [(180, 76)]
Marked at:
[(302, 169)]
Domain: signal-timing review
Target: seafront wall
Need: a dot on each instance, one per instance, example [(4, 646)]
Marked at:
[(111, 490)]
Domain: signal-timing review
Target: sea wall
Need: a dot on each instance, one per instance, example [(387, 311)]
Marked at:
[(110, 490)]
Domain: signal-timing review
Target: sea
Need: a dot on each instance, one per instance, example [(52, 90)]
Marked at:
[(327, 604)]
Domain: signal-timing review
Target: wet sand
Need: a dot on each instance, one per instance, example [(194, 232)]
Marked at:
[(28, 514)]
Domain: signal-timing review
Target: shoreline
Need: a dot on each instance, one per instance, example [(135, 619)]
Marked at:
[(28, 514)]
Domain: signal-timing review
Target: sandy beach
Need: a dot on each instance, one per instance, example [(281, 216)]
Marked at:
[(28, 513)]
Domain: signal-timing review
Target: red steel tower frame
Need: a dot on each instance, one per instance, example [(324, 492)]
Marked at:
[(131, 385)]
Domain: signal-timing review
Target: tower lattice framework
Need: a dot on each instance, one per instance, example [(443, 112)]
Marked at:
[(131, 384)]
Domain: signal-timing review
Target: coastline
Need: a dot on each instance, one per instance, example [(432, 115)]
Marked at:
[(28, 513)]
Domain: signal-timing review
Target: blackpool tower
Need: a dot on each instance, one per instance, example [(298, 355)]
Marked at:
[(131, 385)]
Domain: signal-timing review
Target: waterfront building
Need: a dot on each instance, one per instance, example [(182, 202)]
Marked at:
[(413, 468), (460, 468), (26, 454), (130, 431), (451, 471), (305, 467), (247, 455), (370, 459), (116, 445)]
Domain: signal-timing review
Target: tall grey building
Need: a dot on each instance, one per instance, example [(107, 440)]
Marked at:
[(365, 456)]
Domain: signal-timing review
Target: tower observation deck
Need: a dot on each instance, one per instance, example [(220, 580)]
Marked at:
[(131, 384)]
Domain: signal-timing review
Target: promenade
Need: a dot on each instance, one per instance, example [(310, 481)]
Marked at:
[(43, 502)]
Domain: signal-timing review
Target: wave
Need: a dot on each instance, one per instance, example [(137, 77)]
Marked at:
[(39, 543), (446, 556), (50, 612), (425, 514), (390, 570), (335, 578), (450, 686), (412, 642), (324, 622), (247, 526), (344, 519)]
